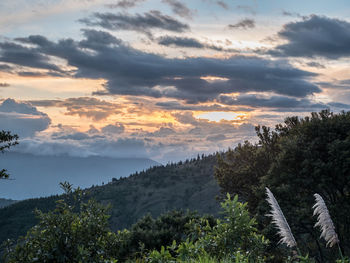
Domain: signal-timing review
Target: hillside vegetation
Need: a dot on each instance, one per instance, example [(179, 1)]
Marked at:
[(184, 185), (298, 174), (6, 202)]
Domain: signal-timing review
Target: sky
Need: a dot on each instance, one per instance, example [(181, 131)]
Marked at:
[(166, 79)]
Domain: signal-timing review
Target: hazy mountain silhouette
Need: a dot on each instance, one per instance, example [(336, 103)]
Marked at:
[(37, 176)]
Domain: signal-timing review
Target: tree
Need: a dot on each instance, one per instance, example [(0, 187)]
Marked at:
[(7, 140), (239, 170), (75, 231), (302, 156)]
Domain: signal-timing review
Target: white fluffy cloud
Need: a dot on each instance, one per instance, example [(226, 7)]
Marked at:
[(22, 118)]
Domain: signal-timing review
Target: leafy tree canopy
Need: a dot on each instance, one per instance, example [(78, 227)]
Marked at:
[(300, 157)]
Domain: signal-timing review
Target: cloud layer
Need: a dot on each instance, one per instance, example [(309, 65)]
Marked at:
[(22, 118), (141, 23), (315, 36), (129, 71)]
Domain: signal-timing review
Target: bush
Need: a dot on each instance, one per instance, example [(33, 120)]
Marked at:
[(235, 239), (74, 232)]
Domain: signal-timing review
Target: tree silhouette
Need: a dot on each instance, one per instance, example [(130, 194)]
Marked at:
[(7, 140)]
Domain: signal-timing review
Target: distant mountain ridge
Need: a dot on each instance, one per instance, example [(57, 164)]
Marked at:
[(184, 185), (39, 176)]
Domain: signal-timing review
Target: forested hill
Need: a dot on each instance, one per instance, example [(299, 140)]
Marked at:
[(6, 202), (184, 185)]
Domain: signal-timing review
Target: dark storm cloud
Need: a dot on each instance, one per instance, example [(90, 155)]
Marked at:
[(129, 71), (188, 42), (179, 8), (24, 56), (125, 4), (315, 36), (180, 42), (95, 39), (140, 23), (243, 24)]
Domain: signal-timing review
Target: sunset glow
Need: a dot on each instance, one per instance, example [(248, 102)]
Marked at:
[(170, 78)]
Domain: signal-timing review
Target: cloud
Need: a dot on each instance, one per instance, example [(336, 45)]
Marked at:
[(129, 71), (339, 105), (39, 74), (217, 137), (280, 102), (222, 4), (315, 36), (180, 42), (162, 132), (22, 118), (125, 4), (176, 105), (315, 64), (292, 14), (5, 68), (116, 128), (179, 8), (118, 148), (243, 24), (140, 23), (204, 127), (4, 85), (19, 54), (76, 136), (88, 107), (188, 42)]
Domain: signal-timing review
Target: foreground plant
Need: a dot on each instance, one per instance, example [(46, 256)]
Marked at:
[(324, 221), (74, 232), (280, 221)]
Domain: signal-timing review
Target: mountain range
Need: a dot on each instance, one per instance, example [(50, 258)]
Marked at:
[(34, 176)]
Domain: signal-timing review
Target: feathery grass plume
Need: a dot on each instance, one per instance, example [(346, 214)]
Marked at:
[(280, 221), (324, 221)]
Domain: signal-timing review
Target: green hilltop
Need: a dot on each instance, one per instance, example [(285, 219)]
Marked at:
[(184, 185)]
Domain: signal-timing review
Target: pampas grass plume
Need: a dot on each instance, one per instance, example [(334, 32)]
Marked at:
[(280, 221), (324, 221)]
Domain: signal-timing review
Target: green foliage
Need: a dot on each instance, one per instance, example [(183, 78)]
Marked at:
[(236, 233), (74, 232), (235, 238), (7, 140), (299, 158), (343, 260), (189, 185), (154, 233), (161, 256)]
